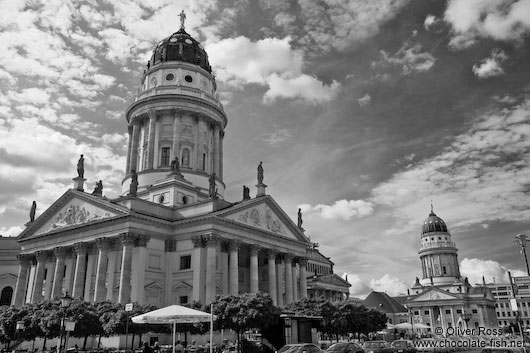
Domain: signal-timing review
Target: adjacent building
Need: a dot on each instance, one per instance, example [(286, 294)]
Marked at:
[(443, 298), (503, 293), (9, 250), (171, 237)]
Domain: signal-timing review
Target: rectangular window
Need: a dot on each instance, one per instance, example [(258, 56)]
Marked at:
[(164, 157), (474, 311), (416, 312), (426, 312), (204, 161), (185, 262), (447, 311), (183, 299), (459, 311)]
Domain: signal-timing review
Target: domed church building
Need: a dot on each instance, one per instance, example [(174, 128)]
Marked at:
[(171, 237), (443, 298)]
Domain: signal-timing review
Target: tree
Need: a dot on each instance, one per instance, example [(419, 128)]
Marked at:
[(245, 311)]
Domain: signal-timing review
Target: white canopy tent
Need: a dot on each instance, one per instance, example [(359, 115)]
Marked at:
[(175, 314)]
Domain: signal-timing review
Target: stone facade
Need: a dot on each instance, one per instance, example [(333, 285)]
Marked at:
[(171, 237), (9, 250)]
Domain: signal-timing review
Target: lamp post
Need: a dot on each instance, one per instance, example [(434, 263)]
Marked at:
[(65, 303), (19, 328), (521, 239), (466, 316)]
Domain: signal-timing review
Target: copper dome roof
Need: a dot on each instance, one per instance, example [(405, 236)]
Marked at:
[(433, 224), (180, 46)]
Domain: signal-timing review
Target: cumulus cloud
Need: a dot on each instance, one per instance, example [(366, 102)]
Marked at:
[(491, 66), (492, 271), (470, 20), (409, 57), (429, 21), (270, 62), (11, 231), (364, 100), (488, 162), (358, 287), (389, 284), (277, 136), (341, 209)]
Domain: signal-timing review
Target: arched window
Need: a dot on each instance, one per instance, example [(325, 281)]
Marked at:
[(185, 160), (6, 296)]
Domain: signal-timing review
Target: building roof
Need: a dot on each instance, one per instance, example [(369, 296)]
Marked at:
[(433, 224), (9, 243), (383, 302)]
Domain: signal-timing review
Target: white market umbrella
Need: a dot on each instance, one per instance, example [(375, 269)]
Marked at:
[(404, 325), (421, 326), (174, 314), (390, 326)]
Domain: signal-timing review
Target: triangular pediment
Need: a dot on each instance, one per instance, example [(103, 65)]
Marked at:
[(334, 279), (182, 285), (265, 214), (434, 294), (74, 208)]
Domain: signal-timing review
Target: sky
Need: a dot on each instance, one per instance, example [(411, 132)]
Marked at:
[(363, 113)]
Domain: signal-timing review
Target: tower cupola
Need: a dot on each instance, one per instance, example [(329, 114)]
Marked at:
[(176, 125)]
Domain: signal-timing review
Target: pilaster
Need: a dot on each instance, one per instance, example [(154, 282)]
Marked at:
[(151, 142), (198, 270), (170, 248), (138, 269)]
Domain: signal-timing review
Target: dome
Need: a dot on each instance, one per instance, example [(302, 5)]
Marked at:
[(433, 224), (180, 46)]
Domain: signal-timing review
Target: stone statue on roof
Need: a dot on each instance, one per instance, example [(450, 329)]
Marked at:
[(182, 19), (260, 173), (300, 221), (81, 167), (32, 211)]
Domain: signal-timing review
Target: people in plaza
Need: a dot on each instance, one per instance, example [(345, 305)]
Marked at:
[(193, 346), (147, 348), (156, 347), (179, 348)]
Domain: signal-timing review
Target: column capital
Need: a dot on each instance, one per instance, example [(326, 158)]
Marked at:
[(80, 248), (127, 239), (170, 245), (177, 112), (59, 252), (234, 245), (197, 241), (302, 261), (24, 259), (142, 240), (42, 255), (211, 240), (271, 254), (288, 257), (254, 249), (103, 243), (152, 114)]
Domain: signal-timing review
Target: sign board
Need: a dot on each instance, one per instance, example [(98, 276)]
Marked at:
[(128, 307), (513, 304), (69, 325)]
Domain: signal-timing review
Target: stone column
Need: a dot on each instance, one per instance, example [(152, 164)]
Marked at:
[(22, 280), (222, 135), (280, 282), (272, 276), (80, 272), (60, 255), (295, 283), (288, 279), (215, 147), (170, 248), (114, 255), (39, 276), (70, 271), (234, 267), (134, 146), (101, 270), (151, 143), (303, 277), (127, 241), (138, 269), (224, 268), (175, 150), (254, 273), (211, 270), (91, 264), (129, 149), (198, 270), (50, 270)]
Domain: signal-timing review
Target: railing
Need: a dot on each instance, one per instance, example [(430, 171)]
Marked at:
[(441, 244), (188, 91)]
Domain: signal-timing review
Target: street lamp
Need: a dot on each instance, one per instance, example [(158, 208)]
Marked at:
[(521, 239), (466, 316), (65, 303)]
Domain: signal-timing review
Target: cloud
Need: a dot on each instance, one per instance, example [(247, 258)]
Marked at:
[(277, 136), (389, 284), (409, 57), (270, 62), (429, 21), (339, 24), (341, 209), (364, 100), (11, 231), (492, 271), (491, 67), (358, 287), (470, 20), (488, 162)]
